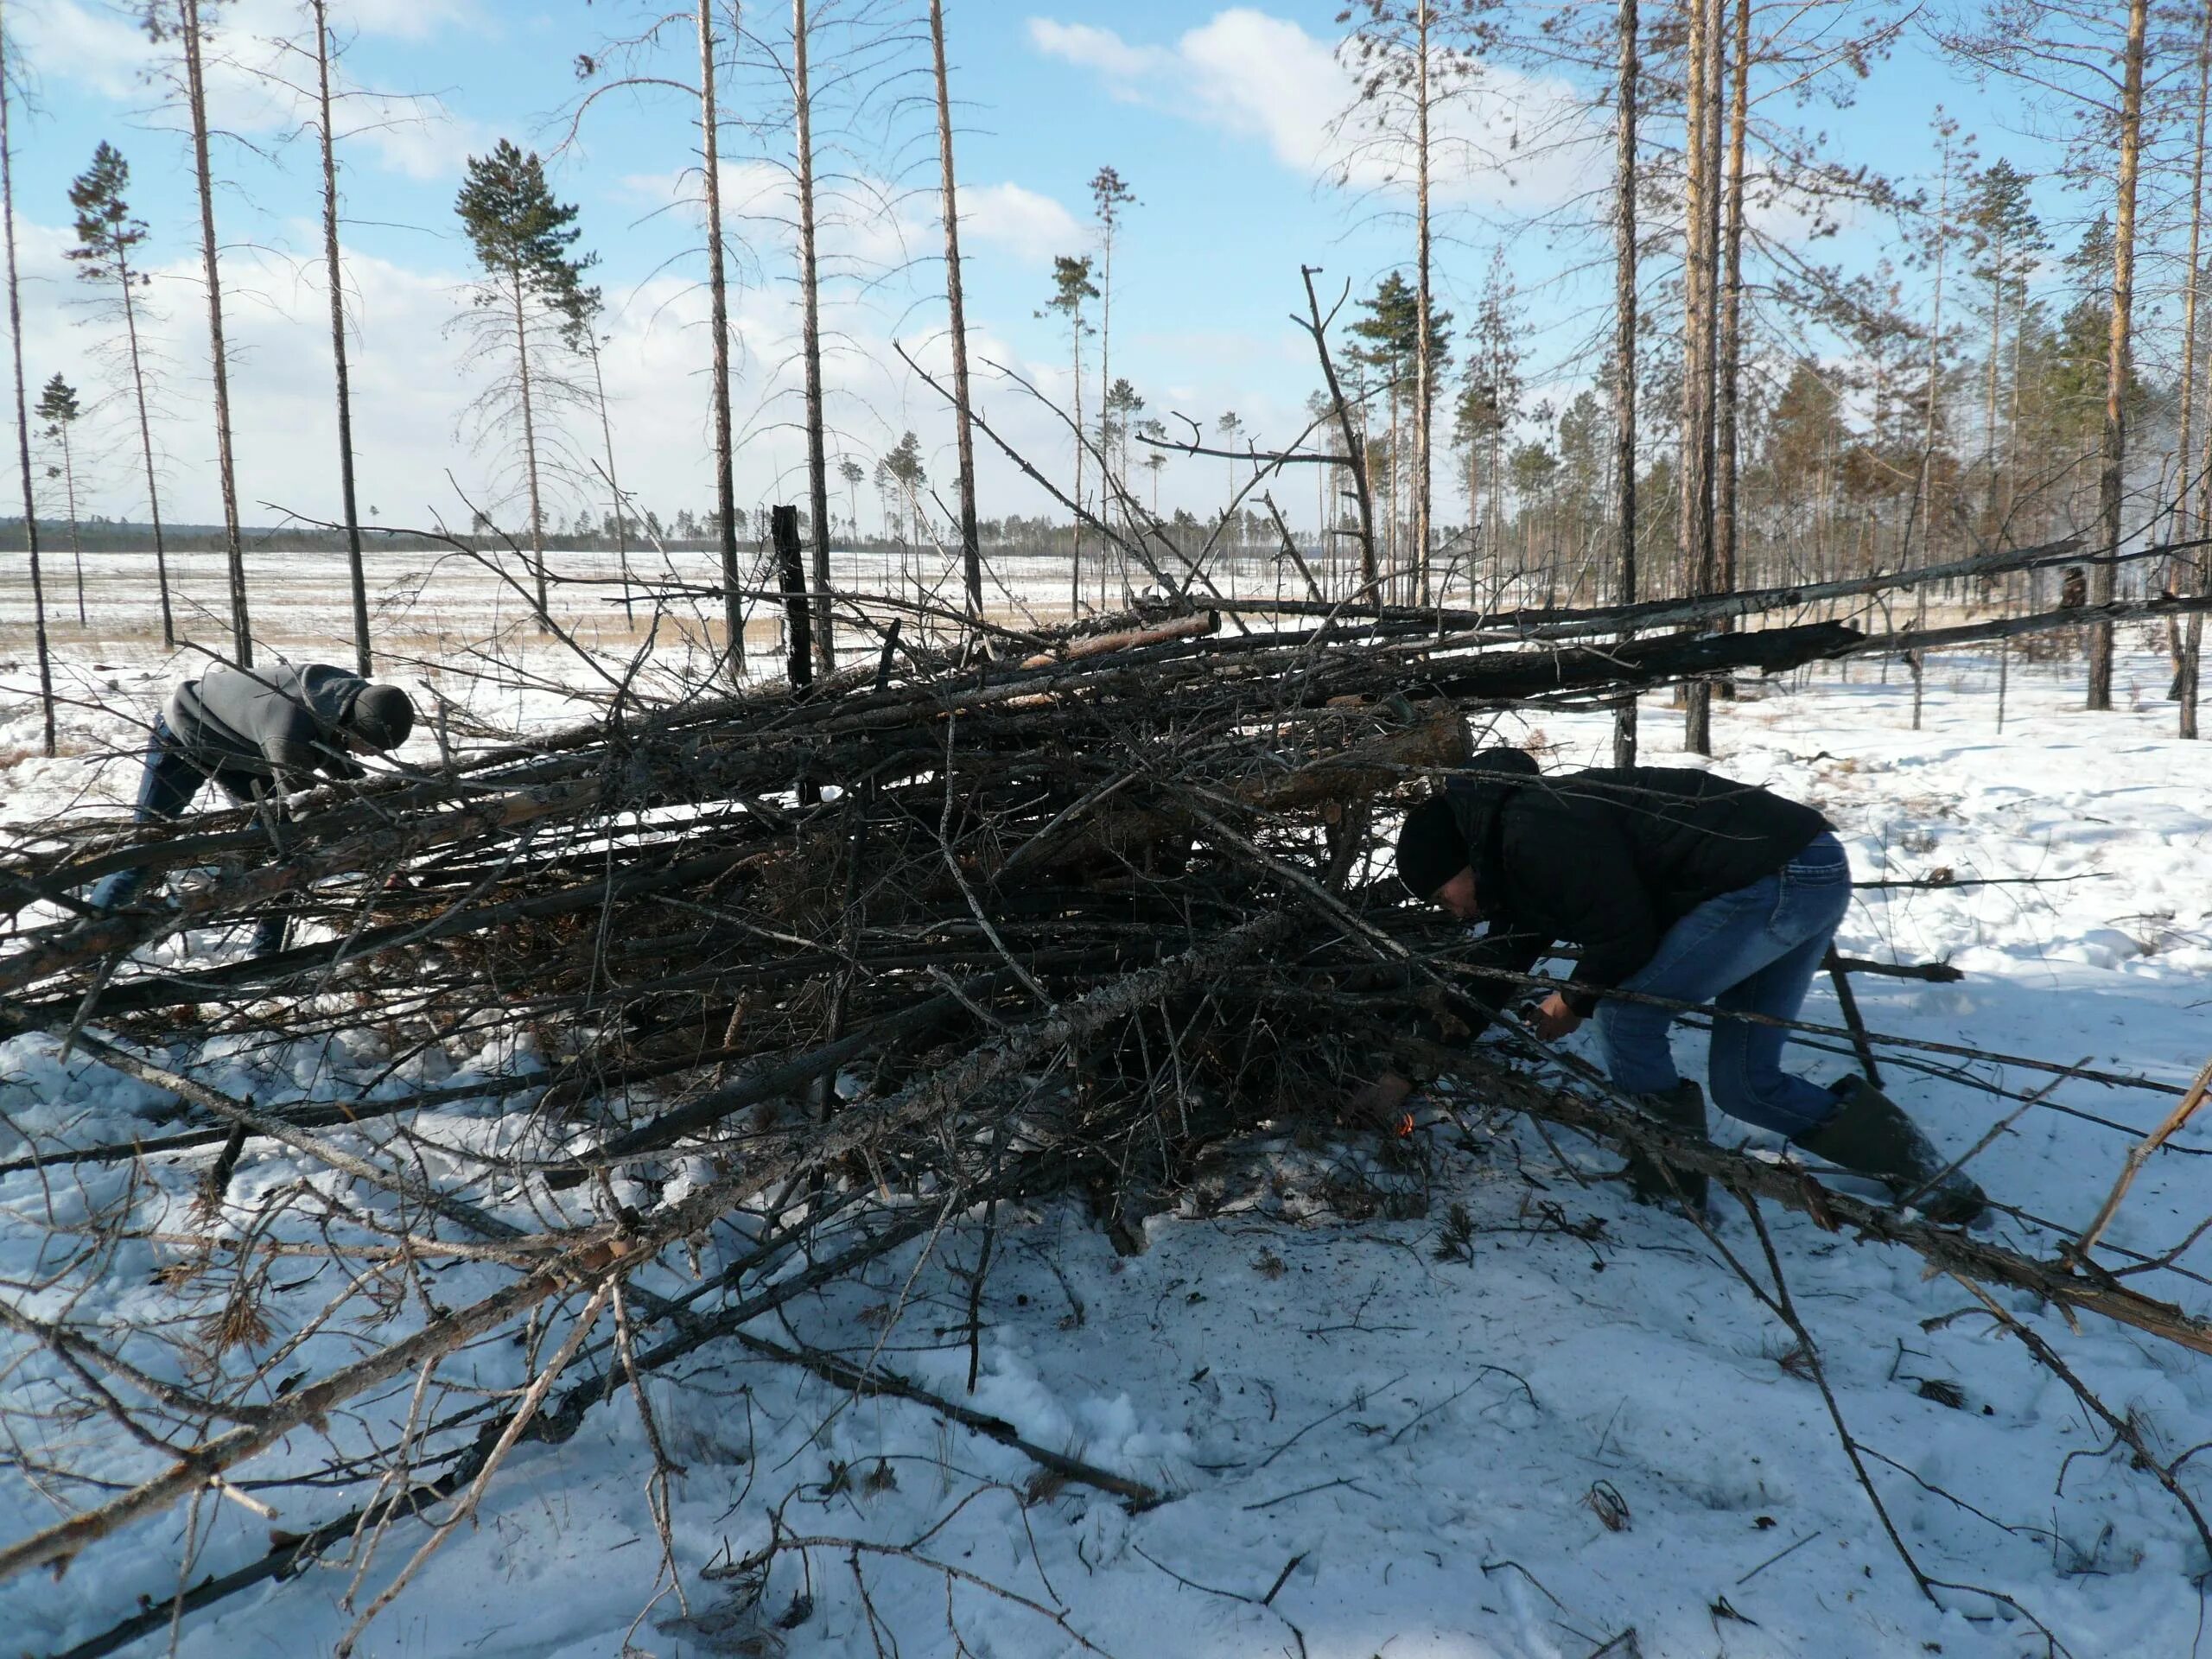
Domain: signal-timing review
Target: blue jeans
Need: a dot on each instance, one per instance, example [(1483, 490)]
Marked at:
[(172, 781), (1754, 950)]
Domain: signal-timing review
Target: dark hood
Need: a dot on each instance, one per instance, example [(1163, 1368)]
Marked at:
[(1478, 793)]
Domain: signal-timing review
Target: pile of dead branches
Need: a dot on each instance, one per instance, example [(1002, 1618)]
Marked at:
[(790, 976)]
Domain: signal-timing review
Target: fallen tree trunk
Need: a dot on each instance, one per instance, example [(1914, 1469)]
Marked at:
[(2064, 1282)]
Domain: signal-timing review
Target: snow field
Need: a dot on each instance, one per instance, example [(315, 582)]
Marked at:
[(1375, 1450)]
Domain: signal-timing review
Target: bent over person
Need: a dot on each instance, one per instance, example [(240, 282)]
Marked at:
[(1683, 887), (257, 732)]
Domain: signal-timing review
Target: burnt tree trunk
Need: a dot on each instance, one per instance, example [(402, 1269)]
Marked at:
[(818, 463), (2113, 452), (718, 303), (1625, 303), (218, 353), (23, 406), (354, 572), (971, 557)]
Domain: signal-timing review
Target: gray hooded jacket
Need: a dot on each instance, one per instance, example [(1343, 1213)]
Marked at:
[(284, 721)]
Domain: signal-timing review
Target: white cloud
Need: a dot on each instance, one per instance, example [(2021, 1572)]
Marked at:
[(1098, 48), (256, 83), (410, 386), (417, 139), (866, 225), (413, 20), (1030, 225), (1264, 78), (99, 51), (1269, 78)]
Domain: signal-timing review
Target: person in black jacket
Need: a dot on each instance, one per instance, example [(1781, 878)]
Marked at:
[(256, 732), (1687, 888)]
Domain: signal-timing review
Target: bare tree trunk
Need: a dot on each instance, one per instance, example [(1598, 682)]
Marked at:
[(23, 404), (1996, 351), (1105, 410), (218, 355), (718, 299), (818, 463), (613, 480), (146, 448), (338, 340), (1726, 433), (972, 555), (2177, 569), (1425, 346), (76, 545), (1496, 520), (1075, 567), (1923, 508), (790, 568), (2113, 454), (1390, 492), (1354, 456), (1700, 225), (1625, 301), (530, 459)]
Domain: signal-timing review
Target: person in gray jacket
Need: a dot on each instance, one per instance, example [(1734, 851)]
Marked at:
[(254, 733)]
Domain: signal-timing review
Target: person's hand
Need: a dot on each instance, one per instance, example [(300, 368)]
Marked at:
[(1553, 1019), (1381, 1102)]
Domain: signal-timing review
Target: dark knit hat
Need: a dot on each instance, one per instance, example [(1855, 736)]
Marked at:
[(1430, 850), (381, 716)]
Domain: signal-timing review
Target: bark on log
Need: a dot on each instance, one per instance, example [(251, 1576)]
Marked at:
[(1946, 1249)]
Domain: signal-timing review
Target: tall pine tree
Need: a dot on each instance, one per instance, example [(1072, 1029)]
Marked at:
[(58, 408), (107, 236), (523, 239)]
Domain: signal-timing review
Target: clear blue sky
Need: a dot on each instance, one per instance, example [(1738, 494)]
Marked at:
[(1216, 117)]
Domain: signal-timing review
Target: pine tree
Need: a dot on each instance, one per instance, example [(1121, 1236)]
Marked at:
[(1228, 428), (1488, 404), (972, 555), (522, 237), (1108, 196), (2187, 644), (1624, 366), (1407, 73), (809, 281), (1392, 345), (902, 473), (334, 276), (853, 473), (59, 408), (582, 307), (1700, 319), (1071, 286), (2111, 454), (1727, 439), (185, 25), (1155, 458), (2005, 243), (107, 236), (718, 302), (1388, 336), (23, 413), (2088, 58), (1124, 403)]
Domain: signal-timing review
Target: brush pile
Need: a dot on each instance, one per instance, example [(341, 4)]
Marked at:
[(696, 910), (785, 980)]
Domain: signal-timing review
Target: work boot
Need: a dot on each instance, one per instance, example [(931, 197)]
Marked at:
[(1870, 1135), (1682, 1111)]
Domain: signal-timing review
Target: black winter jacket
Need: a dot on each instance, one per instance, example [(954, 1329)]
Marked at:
[(1609, 858), (281, 722)]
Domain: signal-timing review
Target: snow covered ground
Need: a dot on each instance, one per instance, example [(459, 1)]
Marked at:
[(1577, 1425)]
